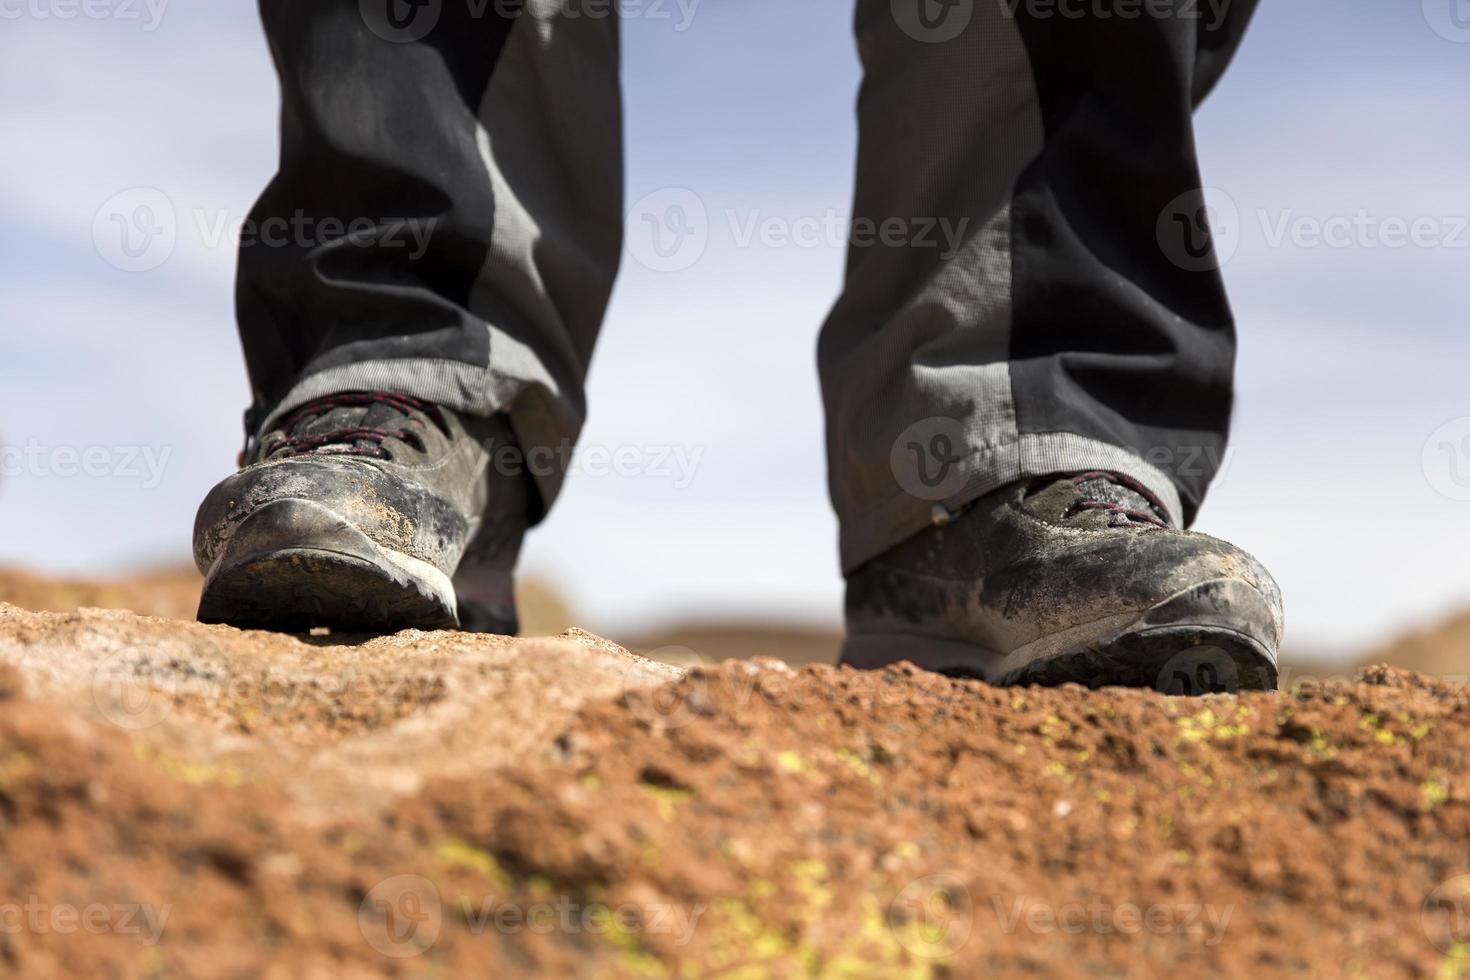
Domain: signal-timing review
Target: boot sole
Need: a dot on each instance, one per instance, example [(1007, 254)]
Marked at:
[(1202, 640), (294, 566), (1185, 660)]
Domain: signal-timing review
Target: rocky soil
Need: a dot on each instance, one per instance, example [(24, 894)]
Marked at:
[(194, 801)]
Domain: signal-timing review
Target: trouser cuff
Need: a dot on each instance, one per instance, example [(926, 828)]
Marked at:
[(866, 536), (543, 424)]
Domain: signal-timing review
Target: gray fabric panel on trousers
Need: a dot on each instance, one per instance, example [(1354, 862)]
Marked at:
[(916, 358), (497, 127)]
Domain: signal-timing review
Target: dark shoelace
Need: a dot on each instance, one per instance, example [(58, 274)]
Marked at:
[(1154, 517), (356, 440)]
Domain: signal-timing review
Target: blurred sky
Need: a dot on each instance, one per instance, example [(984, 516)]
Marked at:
[(1343, 477)]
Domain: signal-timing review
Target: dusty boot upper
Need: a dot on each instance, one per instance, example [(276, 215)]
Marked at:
[(377, 477), (1065, 578)]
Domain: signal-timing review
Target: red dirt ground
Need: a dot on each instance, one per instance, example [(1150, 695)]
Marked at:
[(183, 800)]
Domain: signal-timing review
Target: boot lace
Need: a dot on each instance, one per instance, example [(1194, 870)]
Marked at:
[(356, 439), (1155, 516)]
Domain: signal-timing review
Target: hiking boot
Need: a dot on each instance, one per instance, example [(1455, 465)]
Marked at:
[(1079, 578), (355, 512)]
